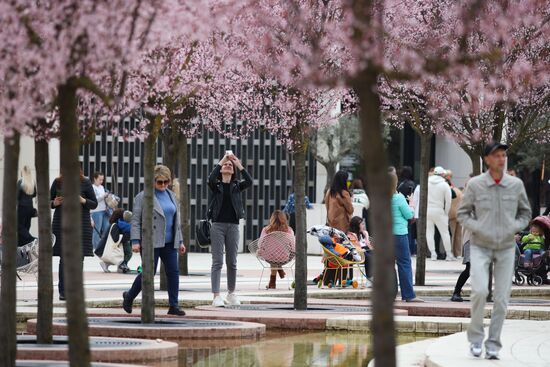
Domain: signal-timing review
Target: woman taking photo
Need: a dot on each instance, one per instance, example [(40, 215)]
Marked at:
[(338, 202), (225, 210), (167, 239), (88, 201)]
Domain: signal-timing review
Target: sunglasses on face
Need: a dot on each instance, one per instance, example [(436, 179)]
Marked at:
[(162, 182)]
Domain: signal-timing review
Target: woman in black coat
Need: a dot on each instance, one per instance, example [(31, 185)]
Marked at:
[(26, 191), (88, 201)]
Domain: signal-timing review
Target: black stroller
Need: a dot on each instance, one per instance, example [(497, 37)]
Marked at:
[(533, 274)]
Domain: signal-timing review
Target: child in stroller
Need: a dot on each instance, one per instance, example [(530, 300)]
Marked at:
[(338, 243), (531, 252)]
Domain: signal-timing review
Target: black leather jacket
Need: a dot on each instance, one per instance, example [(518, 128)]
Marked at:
[(217, 193)]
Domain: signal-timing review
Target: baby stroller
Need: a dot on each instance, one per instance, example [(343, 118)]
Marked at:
[(531, 274), (339, 258), (26, 259)]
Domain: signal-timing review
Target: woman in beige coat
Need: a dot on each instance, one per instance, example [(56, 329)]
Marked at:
[(456, 228), (338, 203)]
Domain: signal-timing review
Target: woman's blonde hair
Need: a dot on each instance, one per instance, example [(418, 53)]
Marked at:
[(162, 170), (393, 182), (27, 181), (176, 188)]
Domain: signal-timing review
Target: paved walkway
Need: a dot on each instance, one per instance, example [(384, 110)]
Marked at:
[(525, 343), (438, 316)]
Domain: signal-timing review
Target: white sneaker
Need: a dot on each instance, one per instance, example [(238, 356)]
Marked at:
[(218, 302), (491, 354), (450, 257), (104, 266), (232, 300), (475, 349)]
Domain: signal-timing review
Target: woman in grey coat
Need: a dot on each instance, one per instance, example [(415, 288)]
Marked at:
[(167, 239)]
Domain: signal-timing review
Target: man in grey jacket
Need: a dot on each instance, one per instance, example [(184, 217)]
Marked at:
[(494, 208)]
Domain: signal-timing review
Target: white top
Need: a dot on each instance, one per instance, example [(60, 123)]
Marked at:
[(360, 197), (416, 200), (439, 195), (100, 195)]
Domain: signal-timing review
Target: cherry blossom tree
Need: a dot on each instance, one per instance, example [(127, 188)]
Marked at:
[(400, 40), (60, 49)]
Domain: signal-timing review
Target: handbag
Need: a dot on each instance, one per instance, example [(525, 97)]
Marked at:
[(202, 231), (112, 200), (113, 253)]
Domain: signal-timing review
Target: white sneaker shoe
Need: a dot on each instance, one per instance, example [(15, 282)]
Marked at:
[(218, 302), (232, 300), (491, 354), (104, 266), (450, 257), (475, 349)]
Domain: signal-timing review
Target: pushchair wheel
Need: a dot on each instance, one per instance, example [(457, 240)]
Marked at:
[(355, 284), (519, 279), (537, 280)]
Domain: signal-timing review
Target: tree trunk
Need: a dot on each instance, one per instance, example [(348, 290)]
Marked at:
[(45, 277), (169, 149), (147, 251), (184, 203), (77, 323), (380, 193), (331, 171), (8, 338), (425, 153), (476, 162), (300, 291)]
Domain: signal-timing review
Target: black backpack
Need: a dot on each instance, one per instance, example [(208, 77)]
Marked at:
[(202, 233)]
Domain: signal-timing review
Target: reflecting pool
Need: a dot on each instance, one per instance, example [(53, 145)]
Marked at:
[(283, 349)]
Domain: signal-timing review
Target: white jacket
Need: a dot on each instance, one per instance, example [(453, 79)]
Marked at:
[(360, 197), (439, 195)]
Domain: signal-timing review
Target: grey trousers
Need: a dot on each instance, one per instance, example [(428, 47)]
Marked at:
[(503, 260), (224, 235)]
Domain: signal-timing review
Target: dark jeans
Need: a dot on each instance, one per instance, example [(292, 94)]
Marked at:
[(412, 238), (169, 257), (24, 216), (404, 266), (368, 266), (127, 247), (462, 278)]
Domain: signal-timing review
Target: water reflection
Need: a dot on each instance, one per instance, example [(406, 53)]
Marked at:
[(282, 350)]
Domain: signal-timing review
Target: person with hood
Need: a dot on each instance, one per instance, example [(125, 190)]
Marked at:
[(119, 225), (439, 205)]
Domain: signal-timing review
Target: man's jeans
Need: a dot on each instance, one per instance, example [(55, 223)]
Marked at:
[(480, 259), (404, 266)]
